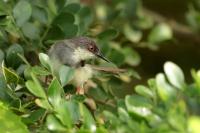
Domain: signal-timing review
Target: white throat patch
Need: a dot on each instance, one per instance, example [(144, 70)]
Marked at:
[(82, 54)]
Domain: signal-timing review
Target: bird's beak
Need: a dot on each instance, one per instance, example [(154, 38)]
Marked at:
[(100, 55)]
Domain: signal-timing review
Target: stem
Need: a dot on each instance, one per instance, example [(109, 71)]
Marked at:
[(44, 35)]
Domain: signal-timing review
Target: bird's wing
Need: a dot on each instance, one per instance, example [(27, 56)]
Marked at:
[(108, 69)]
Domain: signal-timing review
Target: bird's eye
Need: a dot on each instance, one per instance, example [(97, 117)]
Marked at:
[(91, 48)]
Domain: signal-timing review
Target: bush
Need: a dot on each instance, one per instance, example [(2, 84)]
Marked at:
[(28, 103)]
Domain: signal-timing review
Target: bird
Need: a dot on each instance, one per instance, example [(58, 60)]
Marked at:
[(75, 52)]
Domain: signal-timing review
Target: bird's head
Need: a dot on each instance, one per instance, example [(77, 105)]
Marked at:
[(87, 48)]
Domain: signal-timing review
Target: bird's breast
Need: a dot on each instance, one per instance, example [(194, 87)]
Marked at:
[(82, 75)]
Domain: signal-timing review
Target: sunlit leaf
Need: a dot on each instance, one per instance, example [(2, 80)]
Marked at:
[(132, 34), (138, 105), (144, 91), (131, 56), (54, 92), (35, 87), (63, 113), (53, 124), (193, 124), (10, 76), (44, 60), (88, 119), (11, 122), (165, 91), (174, 75), (161, 32), (43, 103)]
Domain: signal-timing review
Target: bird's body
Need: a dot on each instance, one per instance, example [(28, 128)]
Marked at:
[(74, 52)]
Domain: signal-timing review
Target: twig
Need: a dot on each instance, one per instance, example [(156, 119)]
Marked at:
[(181, 31)]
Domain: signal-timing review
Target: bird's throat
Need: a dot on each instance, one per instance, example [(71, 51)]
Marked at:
[(81, 54)]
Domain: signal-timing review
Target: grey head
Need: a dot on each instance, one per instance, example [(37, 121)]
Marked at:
[(74, 51), (89, 45)]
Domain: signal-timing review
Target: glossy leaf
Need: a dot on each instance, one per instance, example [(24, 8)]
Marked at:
[(132, 34), (44, 60), (66, 74), (138, 105), (22, 7), (12, 57), (53, 124), (88, 119), (63, 113), (165, 91), (44, 103), (144, 91), (11, 122), (161, 32), (35, 87), (174, 75), (131, 56), (10, 76), (54, 92), (40, 71)]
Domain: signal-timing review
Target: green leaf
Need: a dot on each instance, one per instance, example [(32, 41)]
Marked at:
[(193, 124), (85, 18), (31, 31), (131, 56), (53, 124), (132, 34), (65, 21), (22, 12), (165, 91), (63, 113), (12, 58), (40, 14), (88, 120), (10, 122), (44, 103), (117, 57), (72, 8), (1, 56), (44, 60), (108, 34), (159, 33), (54, 92), (69, 30), (174, 75), (144, 91), (35, 88), (40, 71), (3, 89), (66, 74), (34, 116), (10, 76), (138, 105), (123, 114), (64, 18)]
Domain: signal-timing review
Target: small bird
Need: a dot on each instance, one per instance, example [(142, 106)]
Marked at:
[(74, 52)]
